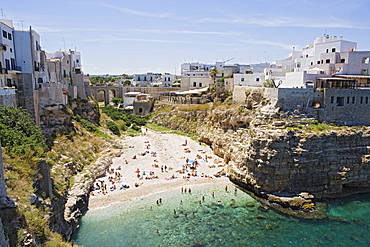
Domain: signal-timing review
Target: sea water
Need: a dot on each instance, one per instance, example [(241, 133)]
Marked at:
[(225, 219)]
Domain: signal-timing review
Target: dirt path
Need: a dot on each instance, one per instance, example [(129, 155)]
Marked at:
[(154, 152)]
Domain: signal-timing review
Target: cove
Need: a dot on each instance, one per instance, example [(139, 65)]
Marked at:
[(227, 219)]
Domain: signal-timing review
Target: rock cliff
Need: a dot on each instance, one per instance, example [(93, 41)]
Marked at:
[(273, 153), (69, 211)]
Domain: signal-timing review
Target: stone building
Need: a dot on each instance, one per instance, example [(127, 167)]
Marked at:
[(143, 104), (332, 105)]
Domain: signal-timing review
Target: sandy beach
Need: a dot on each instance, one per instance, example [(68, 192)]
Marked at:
[(156, 162)]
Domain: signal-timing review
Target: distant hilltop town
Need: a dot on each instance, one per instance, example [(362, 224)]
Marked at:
[(328, 78)]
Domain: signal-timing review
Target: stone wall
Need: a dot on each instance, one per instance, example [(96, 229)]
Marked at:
[(52, 93), (7, 97), (341, 106)]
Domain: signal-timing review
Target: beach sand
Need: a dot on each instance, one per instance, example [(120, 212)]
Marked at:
[(162, 150)]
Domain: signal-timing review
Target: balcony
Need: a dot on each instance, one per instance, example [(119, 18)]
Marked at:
[(3, 71), (2, 47)]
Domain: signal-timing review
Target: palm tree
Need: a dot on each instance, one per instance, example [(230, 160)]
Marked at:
[(213, 73)]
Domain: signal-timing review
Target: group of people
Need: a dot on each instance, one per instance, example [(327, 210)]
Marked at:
[(188, 170)]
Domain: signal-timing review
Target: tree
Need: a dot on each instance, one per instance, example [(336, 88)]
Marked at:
[(272, 83), (127, 83), (213, 73), (117, 101)]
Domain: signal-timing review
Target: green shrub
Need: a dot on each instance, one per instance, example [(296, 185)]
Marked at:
[(88, 125), (113, 127), (129, 119), (135, 127), (19, 134)]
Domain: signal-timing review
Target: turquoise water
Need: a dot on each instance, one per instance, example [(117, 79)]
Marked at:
[(222, 220)]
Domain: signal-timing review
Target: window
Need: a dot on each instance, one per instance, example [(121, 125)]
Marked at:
[(366, 60), (366, 100), (9, 36), (311, 63), (5, 34), (200, 84), (332, 49), (361, 100), (347, 100), (257, 79), (306, 55), (327, 60), (144, 78), (353, 100), (140, 110), (138, 79), (11, 50), (327, 50), (342, 60), (332, 99), (194, 84), (242, 79), (340, 101), (318, 62), (7, 64), (12, 60), (365, 72)]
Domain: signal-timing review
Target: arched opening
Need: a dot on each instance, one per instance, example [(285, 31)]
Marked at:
[(140, 110), (112, 94), (100, 97), (316, 104)]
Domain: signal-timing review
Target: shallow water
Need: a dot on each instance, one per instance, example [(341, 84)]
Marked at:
[(222, 220)]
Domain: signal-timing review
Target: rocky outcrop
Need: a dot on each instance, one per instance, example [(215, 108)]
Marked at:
[(3, 239), (274, 153), (76, 203), (57, 119)]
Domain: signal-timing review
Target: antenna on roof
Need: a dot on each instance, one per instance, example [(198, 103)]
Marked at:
[(2, 14), (22, 21)]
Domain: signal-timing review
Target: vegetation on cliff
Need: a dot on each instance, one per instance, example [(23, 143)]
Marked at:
[(24, 146), (83, 131)]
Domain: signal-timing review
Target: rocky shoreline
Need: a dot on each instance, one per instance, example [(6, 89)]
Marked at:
[(286, 159), (66, 220)]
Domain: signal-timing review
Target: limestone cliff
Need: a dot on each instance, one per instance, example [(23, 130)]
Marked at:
[(270, 152)]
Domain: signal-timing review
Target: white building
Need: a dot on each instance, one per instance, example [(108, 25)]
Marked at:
[(326, 57), (168, 79), (147, 80), (250, 79), (8, 75)]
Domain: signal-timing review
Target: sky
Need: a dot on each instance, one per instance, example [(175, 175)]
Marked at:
[(140, 36)]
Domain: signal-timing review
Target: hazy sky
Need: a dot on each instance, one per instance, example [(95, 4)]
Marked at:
[(139, 36)]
